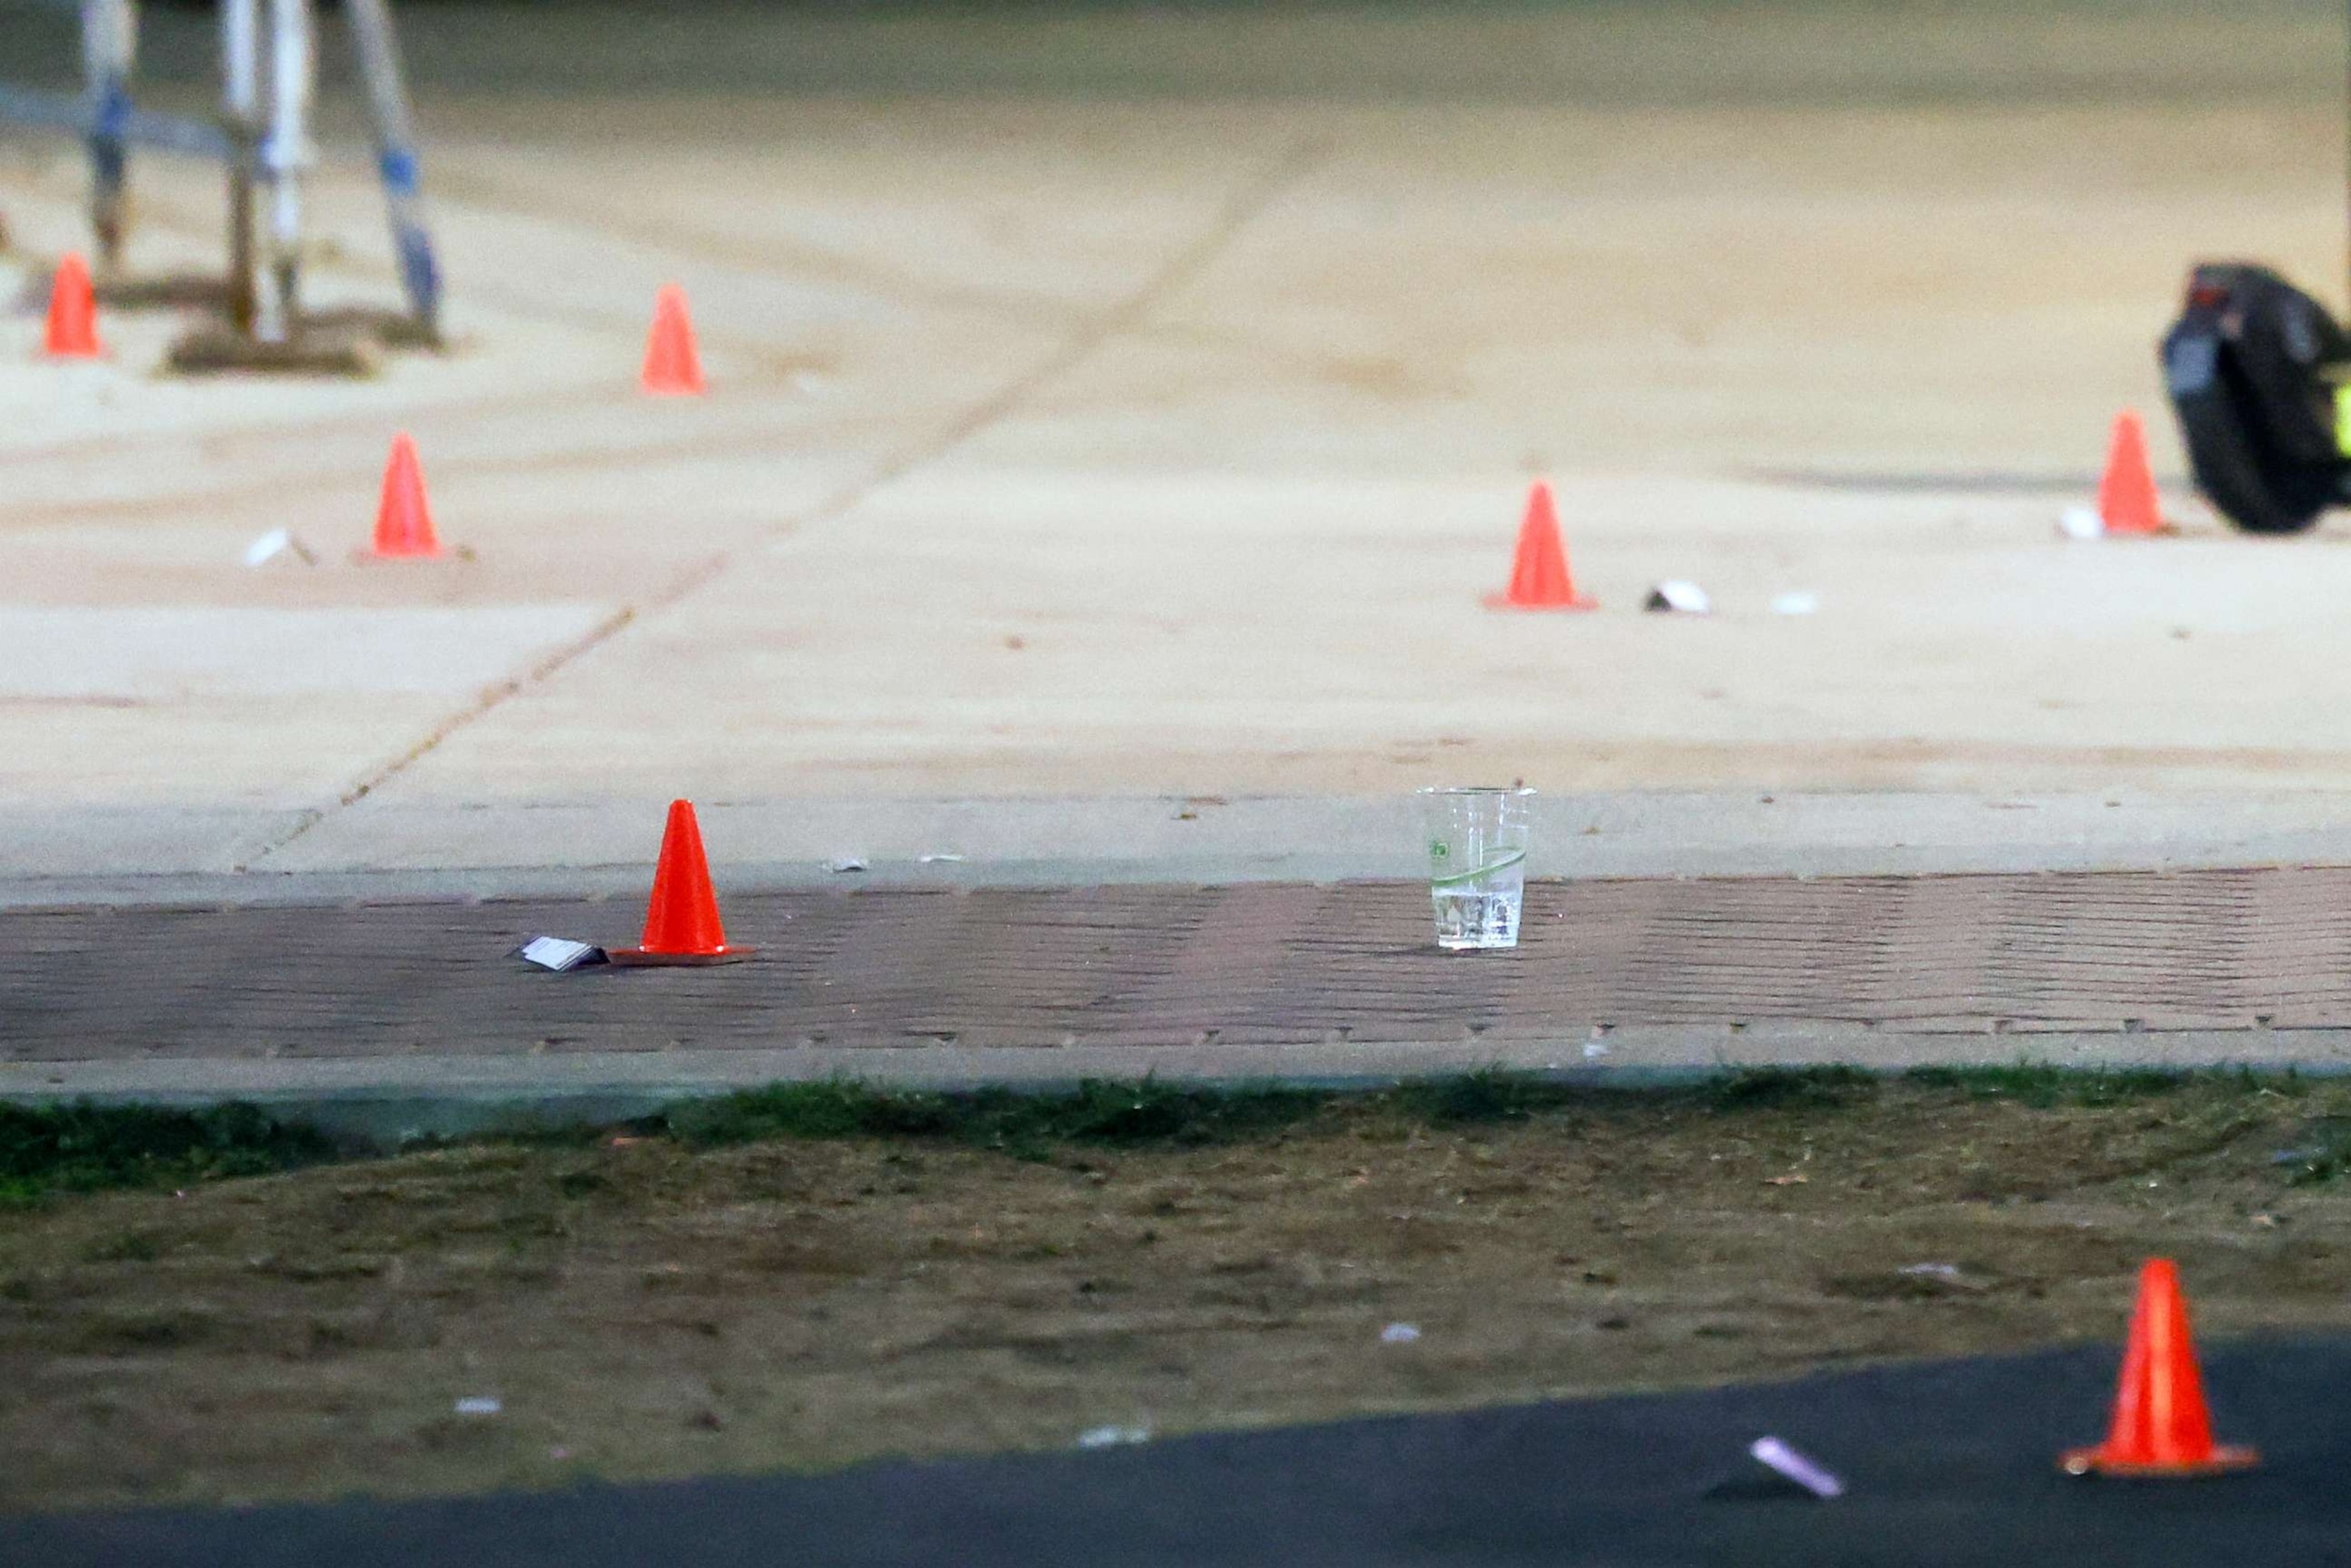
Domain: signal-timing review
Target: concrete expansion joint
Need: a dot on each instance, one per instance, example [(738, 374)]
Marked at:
[(1293, 164)]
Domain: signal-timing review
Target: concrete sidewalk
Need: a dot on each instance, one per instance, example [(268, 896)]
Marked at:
[(385, 852), (1072, 447)]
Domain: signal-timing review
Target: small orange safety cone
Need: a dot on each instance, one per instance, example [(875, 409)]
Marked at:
[(2160, 1425), (1538, 576), (2128, 504), (672, 366), (72, 333), (681, 920), (404, 520)]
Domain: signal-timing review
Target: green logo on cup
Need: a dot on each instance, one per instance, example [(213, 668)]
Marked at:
[(1436, 849)]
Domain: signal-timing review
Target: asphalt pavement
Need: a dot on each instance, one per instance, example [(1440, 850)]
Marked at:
[(1946, 1465)]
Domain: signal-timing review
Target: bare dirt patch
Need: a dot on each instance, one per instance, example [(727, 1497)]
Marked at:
[(646, 1306)]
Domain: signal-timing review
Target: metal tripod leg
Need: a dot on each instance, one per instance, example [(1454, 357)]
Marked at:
[(285, 152), (110, 46), (269, 72), (241, 112), (396, 161)]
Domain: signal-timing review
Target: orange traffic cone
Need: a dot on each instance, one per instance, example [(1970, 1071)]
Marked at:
[(73, 314), (403, 521), (1539, 579), (672, 367), (2161, 1426), (2126, 498), (682, 921)]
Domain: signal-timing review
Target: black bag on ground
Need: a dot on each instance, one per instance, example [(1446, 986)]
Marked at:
[(2250, 366)]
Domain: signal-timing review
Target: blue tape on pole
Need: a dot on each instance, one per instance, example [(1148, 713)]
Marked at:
[(419, 272), (31, 106), (399, 170), (114, 112)]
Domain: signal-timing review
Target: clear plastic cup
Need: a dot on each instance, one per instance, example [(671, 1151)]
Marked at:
[(1476, 865)]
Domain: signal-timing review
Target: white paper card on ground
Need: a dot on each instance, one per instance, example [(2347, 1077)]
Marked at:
[(278, 544), (559, 952), (1684, 598)]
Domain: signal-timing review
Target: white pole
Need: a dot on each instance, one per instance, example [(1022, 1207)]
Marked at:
[(287, 151), (240, 60), (110, 43), (240, 108)]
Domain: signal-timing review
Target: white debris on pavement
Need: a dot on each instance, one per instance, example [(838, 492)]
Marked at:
[(1113, 1436), (1683, 598), (277, 543), (2082, 523), (559, 952), (1777, 1455)]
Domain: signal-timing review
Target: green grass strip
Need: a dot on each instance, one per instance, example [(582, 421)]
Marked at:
[(73, 1148), (50, 1149)]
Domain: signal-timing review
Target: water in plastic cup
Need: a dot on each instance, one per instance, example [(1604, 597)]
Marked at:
[(1476, 865)]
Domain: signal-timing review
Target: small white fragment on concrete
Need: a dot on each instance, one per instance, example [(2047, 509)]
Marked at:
[(936, 858), (277, 543), (1684, 598), (478, 1404), (1400, 1334), (1113, 1436), (1593, 1049), (559, 952), (1773, 1454), (2082, 523), (840, 864), (1795, 603)]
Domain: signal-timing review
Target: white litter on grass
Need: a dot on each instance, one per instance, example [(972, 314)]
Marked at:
[(2081, 523), (1113, 1436), (934, 859), (1593, 1049), (478, 1404), (1795, 604), (279, 542), (1776, 1455), (1946, 1271), (840, 864), (1400, 1334), (1685, 597)]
